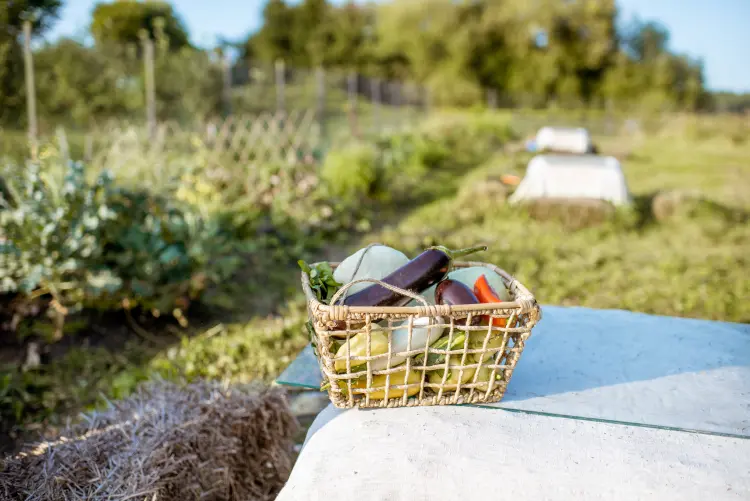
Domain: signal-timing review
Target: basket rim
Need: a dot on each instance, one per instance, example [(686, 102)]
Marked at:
[(525, 300)]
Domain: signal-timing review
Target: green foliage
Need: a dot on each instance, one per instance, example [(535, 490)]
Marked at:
[(88, 377), (83, 83), (96, 245), (322, 282), (729, 102), (274, 40), (259, 349), (351, 172), (684, 256), (79, 81), (189, 85), (531, 53), (127, 21), (78, 381), (12, 16), (408, 166)]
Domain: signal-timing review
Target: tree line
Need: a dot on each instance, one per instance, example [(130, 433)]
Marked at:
[(538, 52), (563, 52)]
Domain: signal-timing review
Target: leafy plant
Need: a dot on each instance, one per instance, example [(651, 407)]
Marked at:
[(322, 282), (96, 245), (352, 172)]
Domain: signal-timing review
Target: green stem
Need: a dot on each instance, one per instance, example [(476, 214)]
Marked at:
[(453, 254)]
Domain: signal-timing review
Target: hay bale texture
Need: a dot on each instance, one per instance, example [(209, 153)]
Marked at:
[(166, 442), (573, 213)]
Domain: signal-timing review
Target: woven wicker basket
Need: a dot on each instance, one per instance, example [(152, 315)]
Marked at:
[(473, 371)]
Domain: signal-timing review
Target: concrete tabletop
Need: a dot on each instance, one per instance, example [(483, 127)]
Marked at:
[(466, 453)]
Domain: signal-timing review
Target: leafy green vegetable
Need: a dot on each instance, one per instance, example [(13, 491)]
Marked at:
[(321, 280)]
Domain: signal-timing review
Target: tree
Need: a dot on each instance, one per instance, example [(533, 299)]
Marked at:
[(12, 16), (274, 40), (80, 83), (126, 21), (645, 41), (308, 42), (346, 39)]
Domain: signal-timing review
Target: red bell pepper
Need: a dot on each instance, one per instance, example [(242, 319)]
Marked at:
[(486, 294)]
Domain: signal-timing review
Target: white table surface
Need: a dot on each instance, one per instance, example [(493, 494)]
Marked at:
[(636, 368), (463, 453), (603, 404)]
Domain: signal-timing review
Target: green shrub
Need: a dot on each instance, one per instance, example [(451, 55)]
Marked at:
[(93, 244), (352, 172)]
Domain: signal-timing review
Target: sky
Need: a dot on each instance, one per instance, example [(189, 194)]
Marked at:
[(714, 30)]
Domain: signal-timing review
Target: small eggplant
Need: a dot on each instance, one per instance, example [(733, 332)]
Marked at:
[(455, 293), (423, 271)]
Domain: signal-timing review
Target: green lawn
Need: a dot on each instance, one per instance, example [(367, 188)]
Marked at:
[(693, 264)]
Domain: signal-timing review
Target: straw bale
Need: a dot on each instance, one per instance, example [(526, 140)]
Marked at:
[(166, 442)]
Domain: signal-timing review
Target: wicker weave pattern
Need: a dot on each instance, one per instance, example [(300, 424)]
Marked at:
[(355, 386)]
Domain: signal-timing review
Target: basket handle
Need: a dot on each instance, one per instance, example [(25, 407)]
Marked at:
[(390, 287)]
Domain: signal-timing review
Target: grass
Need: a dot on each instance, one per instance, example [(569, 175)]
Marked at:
[(85, 377), (695, 264)]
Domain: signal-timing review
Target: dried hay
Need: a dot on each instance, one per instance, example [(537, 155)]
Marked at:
[(166, 442), (489, 189), (679, 204), (573, 213)]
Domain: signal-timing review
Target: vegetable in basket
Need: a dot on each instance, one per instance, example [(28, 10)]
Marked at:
[(427, 269), (485, 373), (495, 342), (451, 382), (374, 261), (454, 372), (455, 293), (441, 344), (379, 382), (357, 346), (424, 331), (476, 341), (486, 294), (468, 276), (322, 281)]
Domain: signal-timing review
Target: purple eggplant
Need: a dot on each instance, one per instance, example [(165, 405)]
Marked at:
[(454, 293), (419, 274)]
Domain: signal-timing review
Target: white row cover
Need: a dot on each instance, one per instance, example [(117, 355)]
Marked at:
[(584, 176), (574, 140)]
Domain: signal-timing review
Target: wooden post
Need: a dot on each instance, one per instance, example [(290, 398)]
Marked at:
[(352, 93), (280, 83), (492, 99), (227, 88), (352, 89), (150, 82), (397, 103), (88, 148), (28, 61), (320, 77), (376, 99)]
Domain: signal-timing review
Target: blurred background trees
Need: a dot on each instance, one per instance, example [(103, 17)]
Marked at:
[(529, 52), (12, 16), (126, 22), (543, 53)]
